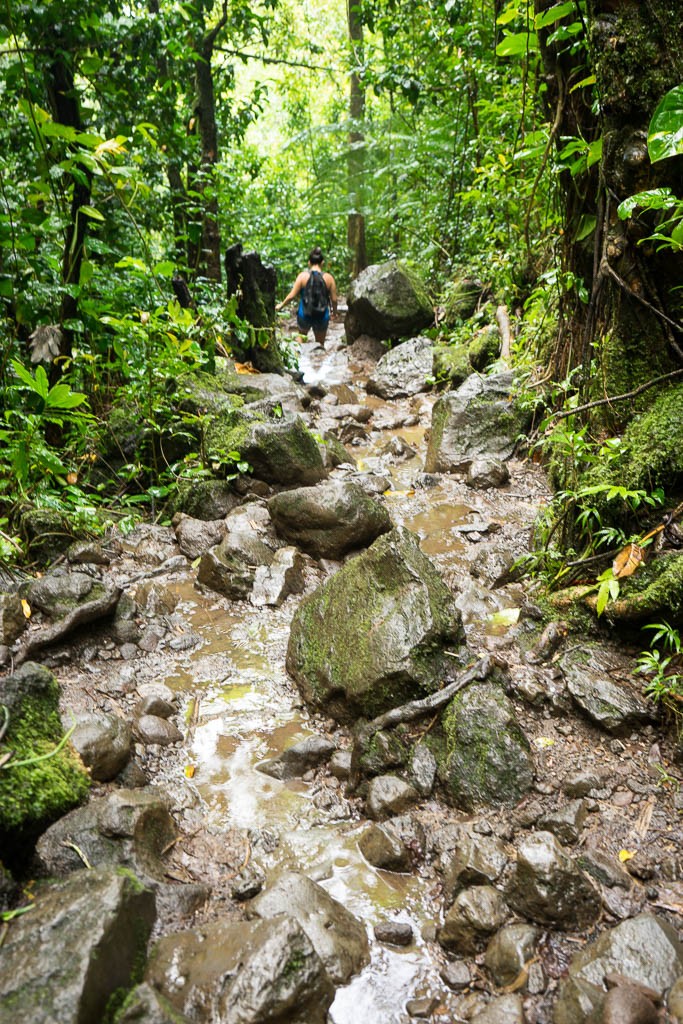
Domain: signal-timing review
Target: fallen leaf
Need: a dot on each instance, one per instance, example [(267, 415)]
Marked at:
[(544, 741), (398, 494), (504, 617), (72, 478), (627, 561), (625, 855), (189, 771), (245, 368), (26, 608)]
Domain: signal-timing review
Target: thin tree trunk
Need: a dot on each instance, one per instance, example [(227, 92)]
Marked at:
[(356, 159), (210, 255)]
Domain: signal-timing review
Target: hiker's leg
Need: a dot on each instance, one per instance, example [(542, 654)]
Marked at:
[(320, 333)]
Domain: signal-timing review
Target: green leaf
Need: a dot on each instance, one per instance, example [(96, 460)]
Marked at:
[(60, 396), (589, 80), (586, 227), (652, 199), (665, 134), (554, 14), (603, 598), (517, 44), (91, 212), (164, 269)]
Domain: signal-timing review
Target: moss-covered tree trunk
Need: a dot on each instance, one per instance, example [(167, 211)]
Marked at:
[(631, 327)]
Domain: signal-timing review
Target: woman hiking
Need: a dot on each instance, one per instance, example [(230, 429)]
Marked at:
[(318, 291)]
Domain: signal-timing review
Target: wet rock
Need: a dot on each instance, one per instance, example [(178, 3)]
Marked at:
[(474, 915), (384, 849), (279, 448), (144, 1005), (13, 622), (151, 544), (548, 887), (34, 795), (230, 567), (502, 1010), (422, 769), (255, 387), (475, 860), (81, 942), (330, 519), (337, 936), (615, 706), (422, 1007), (606, 870), (403, 370), (242, 972), (127, 828), (298, 759), (397, 448), (155, 599), (566, 822), (626, 1005), (154, 704), (386, 301), (206, 499), (456, 975), (487, 758), (104, 744), (196, 536), (395, 933), (487, 473), (340, 764), (152, 729), (248, 883), (674, 1001), (373, 635), (509, 951), (88, 552), (275, 582), (389, 795), (478, 420), (333, 451), (386, 750), (644, 949)]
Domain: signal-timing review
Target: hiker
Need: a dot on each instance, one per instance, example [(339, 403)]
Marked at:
[(318, 291)]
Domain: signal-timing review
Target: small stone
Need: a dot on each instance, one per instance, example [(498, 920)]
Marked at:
[(566, 822), (340, 764), (153, 704), (153, 730), (389, 795), (626, 1005), (423, 1007), (622, 798), (503, 1010), (128, 651), (456, 975), (581, 783), (476, 913), (158, 690), (248, 883), (383, 849), (396, 933)]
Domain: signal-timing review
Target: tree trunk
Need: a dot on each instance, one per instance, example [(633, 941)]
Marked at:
[(631, 325), (356, 159)]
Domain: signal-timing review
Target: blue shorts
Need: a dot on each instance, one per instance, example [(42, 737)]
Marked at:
[(306, 322)]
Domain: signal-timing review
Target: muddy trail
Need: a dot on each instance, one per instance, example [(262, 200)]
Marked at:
[(482, 913)]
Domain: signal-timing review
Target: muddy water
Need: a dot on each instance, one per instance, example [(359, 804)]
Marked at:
[(243, 709)]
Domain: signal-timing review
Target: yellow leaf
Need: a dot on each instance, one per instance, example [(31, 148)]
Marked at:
[(189, 771), (26, 607), (72, 478), (398, 494), (627, 561), (245, 368), (544, 741), (625, 855)]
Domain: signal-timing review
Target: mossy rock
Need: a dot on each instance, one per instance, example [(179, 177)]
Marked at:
[(48, 534), (484, 348), (653, 592), (205, 499), (277, 446), (202, 393), (387, 300), (376, 633), (34, 795), (462, 299), (486, 758), (451, 363)]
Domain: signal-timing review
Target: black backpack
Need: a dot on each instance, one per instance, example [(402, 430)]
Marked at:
[(315, 295)]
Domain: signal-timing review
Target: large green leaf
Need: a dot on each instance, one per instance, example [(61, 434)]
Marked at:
[(517, 44), (665, 135)]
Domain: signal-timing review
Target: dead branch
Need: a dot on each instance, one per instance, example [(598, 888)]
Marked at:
[(615, 398), (503, 321)]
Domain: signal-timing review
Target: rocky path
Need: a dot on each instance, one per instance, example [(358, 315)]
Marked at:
[(516, 861)]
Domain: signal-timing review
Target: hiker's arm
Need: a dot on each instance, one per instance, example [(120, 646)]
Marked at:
[(296, 288), (333, 294)]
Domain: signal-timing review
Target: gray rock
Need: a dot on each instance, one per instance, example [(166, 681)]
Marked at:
[(152, 729), (156, 691), (384, 849), (255, 387), (154, 704), (230, 567), (386, 301), (88, 552), (151, 544), (615, 706), (403, 370), (395, 933), (389, 795), (486, 473), (279, 449), (580, 783), (475, 914), (644, 949), (81, 942), (129, 828), (13, 622), (674, 1001), (548, 887), (242, 972), (456, 974), (337, 936), (103, 742), (373, 635), (58, 593), (478, 420), (502, 1010), (606, 870), (206, 499), (144, 1005), (509, 951), (487, 759), (422, 769), (275, 582), (330, 519), (248, 883), (422, 1007), (340, 764), (566, 822), (196, 536), (298, 759), (475, 860), (626, 1005), (154, 599)]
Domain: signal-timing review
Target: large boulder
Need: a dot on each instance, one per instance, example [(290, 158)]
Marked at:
[(329, 519), (243, 972), (230, 567), (81, 944), (38, 789), (276, 444), (254, 387), (486, 760), (478, 420), (644, 949), (58, 594), (404, 370), (387, 301), (475, 914), (374, 635), (603, 688), (548, 887), (339, 938)]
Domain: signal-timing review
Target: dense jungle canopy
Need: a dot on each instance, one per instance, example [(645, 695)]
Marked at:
[(534, 147)]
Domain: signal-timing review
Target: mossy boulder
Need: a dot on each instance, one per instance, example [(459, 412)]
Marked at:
[(277, 445), (387, 300), (254, 387), (403, 370), (34, 795), (451, 364), (374, 635), (484, 348), (462, 298), (47, 533), (486, 760), (207, 500)]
